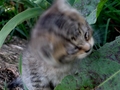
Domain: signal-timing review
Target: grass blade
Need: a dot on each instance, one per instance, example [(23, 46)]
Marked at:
[(20, 65), (100, 6), (114, 75), (11, 24), (106, 31)]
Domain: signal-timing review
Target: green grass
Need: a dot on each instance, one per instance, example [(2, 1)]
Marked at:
[(107, 26)]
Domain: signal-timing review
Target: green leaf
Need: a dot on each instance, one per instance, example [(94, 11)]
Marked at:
[(69, 83), (88, 9), (100, 6), (11, 24), (71, 2), (91, 19)]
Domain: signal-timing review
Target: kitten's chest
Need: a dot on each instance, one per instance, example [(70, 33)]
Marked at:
[(52, 74)]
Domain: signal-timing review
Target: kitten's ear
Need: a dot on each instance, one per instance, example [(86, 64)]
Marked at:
[(60, 1), (60, 5)]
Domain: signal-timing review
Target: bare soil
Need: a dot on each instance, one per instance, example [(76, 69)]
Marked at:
[(9, 58)]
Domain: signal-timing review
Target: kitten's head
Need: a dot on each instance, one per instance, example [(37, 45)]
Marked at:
[(64, 33)]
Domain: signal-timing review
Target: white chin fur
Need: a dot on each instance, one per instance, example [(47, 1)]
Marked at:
[(82, 56), (91, 41)]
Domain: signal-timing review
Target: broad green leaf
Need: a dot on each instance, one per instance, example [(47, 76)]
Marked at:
[(88, 9), (91, 19), (97, 68), (100, 6), (11, 24), (71, 2), (69, 83)]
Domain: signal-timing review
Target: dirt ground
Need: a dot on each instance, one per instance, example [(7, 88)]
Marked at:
[(9, 58)]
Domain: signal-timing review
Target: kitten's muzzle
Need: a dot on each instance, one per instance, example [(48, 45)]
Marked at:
[(86, 47), (88, 51)]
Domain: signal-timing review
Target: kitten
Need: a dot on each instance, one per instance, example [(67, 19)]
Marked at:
[(60, 37)]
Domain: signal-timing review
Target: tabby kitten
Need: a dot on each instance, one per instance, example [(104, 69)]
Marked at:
[(60, 37)]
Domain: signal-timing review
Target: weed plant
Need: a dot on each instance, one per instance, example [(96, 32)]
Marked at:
[(107, 26)]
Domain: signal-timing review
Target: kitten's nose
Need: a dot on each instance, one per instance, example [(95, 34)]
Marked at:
[(86, 47), (87, 51)]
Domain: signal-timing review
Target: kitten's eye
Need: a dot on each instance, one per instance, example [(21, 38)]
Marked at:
[(72, 51), (86, 36), (73, 38)]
